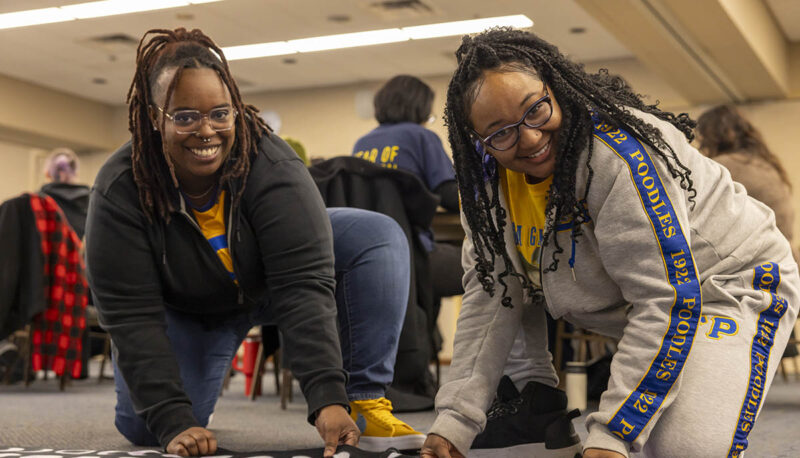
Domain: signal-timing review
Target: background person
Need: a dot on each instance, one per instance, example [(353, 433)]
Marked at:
[(730, 139), (61, 171), (401, 141)]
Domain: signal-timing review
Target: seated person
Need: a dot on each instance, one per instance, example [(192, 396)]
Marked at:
[(61, 170), (205, 225), (402, 108)]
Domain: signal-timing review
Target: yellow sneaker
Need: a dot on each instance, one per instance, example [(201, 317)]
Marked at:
[(383, 429)]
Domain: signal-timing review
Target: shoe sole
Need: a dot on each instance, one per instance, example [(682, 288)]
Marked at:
[(380, 444), (537, 450)]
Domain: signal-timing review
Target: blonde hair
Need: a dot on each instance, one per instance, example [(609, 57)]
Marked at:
[(61, 165)]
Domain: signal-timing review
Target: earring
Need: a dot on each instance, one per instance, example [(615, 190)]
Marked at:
[(489, 167), (488, 162)]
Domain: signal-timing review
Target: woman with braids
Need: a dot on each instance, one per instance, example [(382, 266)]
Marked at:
[(579, 198), (205, 225)]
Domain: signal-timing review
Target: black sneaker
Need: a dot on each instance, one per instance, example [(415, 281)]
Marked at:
[(532, 424)]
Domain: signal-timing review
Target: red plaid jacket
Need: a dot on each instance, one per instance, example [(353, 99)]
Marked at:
[(56, 333)]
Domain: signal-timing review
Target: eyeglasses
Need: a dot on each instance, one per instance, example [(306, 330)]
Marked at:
[(190, 121), (536, 116)]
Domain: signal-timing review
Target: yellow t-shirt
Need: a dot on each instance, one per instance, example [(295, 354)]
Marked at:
[(212, 224), (526, 204)]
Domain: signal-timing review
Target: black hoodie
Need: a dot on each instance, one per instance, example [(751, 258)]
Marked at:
[(73, 199), (281, 243)]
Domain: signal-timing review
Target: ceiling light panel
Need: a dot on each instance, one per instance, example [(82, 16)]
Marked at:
[(114, 7), (88, 10), (33, 17), (348, 40), (448, 29), (276, 48), (374, 37)]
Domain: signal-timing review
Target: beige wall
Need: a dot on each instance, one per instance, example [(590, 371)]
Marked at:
[(23, 168), (52, 117), (325, 120), (18, 164)]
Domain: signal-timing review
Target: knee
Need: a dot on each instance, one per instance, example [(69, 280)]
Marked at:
[(351, 224), (393, 234), (683, 441)]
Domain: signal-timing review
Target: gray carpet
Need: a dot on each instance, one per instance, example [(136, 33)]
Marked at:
[(82, 417)]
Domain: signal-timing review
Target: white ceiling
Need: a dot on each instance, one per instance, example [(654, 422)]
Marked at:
[(59, 55), (787, 13)]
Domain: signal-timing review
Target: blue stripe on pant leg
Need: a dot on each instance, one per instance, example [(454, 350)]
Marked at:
[(766, 278)]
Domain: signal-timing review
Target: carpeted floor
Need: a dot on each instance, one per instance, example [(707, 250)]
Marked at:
[(82, 417)]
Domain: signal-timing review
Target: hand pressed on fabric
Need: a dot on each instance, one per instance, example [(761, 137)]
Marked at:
[(601, 453), (195, 441), (436, 446), (336, 428)]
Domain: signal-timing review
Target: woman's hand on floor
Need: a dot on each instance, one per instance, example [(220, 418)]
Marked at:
[(438, 447), (336, 428), (601, 453), (194, 441)]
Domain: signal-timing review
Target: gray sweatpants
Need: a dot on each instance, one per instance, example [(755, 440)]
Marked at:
[(744, 327)]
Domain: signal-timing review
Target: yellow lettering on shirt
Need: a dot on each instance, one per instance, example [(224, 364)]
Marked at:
[(526, 203)]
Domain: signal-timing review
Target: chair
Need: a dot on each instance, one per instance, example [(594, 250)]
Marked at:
[(266, 342), (589, 345), (790, 354), (22, 339), (93, 322)]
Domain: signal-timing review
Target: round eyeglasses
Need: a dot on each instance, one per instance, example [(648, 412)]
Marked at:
[(190, 121), (507, 137)]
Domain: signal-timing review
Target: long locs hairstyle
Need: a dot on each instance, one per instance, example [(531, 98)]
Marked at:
[(580, 95), (161, 49)]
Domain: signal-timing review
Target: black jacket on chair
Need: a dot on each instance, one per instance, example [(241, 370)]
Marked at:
[(354, 182), (21, 266)]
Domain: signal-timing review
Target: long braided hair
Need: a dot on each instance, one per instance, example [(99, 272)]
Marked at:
[(579, 95), (153, 170)]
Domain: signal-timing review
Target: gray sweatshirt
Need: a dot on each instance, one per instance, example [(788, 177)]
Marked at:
[(642, 268)]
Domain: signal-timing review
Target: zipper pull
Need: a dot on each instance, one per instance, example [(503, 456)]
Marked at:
[(572, 269), (241, 297)]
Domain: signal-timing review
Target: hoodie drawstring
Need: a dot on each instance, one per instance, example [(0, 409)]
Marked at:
[(572, 259)]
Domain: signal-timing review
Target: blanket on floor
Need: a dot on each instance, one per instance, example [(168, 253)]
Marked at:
[(345, 451)]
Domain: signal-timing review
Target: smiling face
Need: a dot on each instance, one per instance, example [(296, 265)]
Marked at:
[(502, 98), (197, 157)]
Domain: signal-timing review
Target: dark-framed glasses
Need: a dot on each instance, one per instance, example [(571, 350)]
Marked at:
[(506, 137), (190, 121)]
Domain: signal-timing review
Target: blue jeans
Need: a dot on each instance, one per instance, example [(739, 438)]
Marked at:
[(372, 284)]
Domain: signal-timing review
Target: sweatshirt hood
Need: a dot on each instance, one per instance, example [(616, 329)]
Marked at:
[(67, 191)]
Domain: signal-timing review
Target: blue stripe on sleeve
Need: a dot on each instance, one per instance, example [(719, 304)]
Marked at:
[(642, 404)]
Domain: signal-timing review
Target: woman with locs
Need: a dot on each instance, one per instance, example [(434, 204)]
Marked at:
[(206, 225)]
